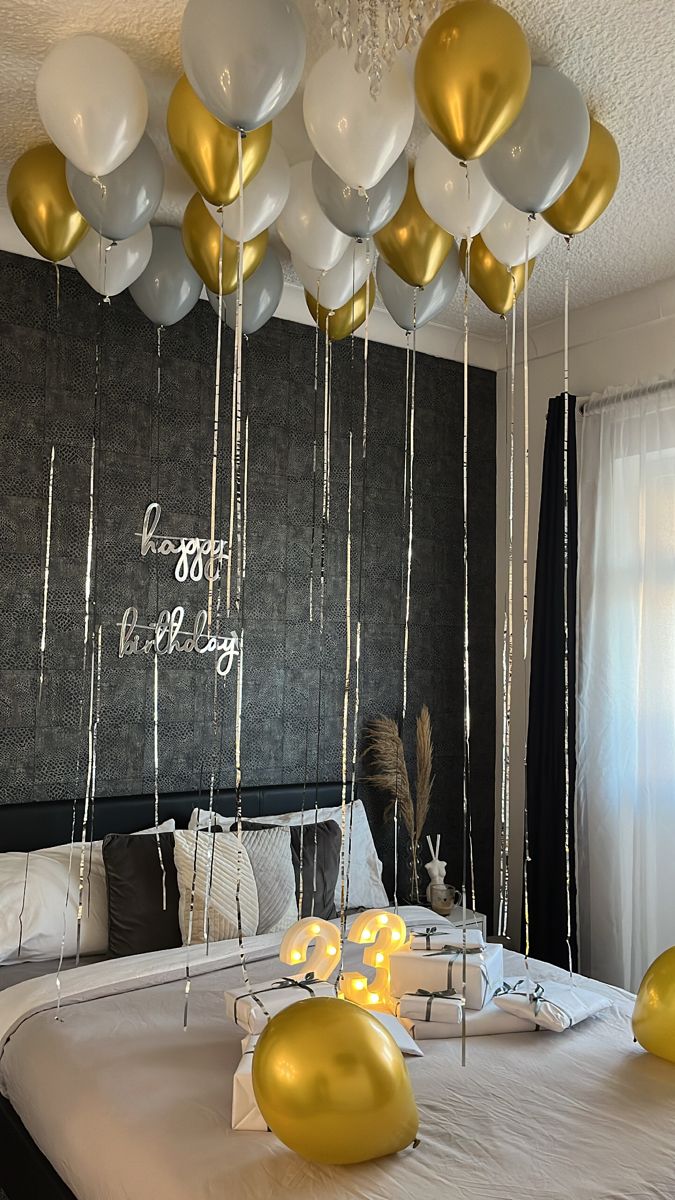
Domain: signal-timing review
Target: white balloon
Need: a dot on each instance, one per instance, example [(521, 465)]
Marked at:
[(505, 235), (304, 228), (264, 198), (360, 138), (441, 185), (334, 288), (110, 267), (92, 102)]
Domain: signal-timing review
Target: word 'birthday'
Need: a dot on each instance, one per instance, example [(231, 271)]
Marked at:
[(167, 636), (197, 557)]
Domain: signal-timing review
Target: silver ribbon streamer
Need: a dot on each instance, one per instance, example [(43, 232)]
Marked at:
[(345, 698), (465, 673), (85, 649), (311, 598), (526, 535), (566, 563), (214, 505), (45, 583), (90, 790), (155, 665), (242, 526), (507, 655), (359, 609)]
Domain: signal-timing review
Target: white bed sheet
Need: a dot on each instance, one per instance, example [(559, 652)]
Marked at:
[(129, 1107)]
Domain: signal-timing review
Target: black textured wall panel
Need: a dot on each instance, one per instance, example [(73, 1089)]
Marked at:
[(54, 370)]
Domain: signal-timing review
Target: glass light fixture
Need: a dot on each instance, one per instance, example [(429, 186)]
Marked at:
[(377, 29)]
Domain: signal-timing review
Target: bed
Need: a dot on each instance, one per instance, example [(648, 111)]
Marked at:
[(131, 1107)]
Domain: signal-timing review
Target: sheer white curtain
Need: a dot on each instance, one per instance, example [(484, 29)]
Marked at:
[(625, 792)]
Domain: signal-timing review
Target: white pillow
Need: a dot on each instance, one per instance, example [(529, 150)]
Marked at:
[(270, 853), (222, 873), (366, 889), (554, 1006), (37, 917)]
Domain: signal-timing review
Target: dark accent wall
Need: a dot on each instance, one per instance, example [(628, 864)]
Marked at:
[(93, 367)]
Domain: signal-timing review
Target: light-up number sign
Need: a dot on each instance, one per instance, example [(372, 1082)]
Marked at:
[(325, 956), (381, 933)]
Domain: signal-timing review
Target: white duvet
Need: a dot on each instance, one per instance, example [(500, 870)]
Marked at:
[(128, 1106)]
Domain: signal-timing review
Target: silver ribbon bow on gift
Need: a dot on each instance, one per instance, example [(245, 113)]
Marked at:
[(427, 935), (455, 956), (286, 982), (448, 994), (535, 996)]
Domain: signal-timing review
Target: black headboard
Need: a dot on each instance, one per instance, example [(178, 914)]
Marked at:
[(33, 826)]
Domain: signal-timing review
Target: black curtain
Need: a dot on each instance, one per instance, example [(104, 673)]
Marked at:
[(547, 868)]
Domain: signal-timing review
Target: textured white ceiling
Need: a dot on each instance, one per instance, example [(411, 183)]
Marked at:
[(618, 52)]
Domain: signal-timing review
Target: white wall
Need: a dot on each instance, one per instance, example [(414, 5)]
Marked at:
[(626, 340)]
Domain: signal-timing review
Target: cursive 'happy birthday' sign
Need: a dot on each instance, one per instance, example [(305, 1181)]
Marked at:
[(169, 636)]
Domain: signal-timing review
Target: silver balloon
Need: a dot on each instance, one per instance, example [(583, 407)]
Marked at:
[(119, 204), (359, 213), (169, 286), (261, 294), (539, 155), (244, 58), (399, 297)]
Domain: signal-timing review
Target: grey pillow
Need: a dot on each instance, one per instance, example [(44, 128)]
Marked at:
[(328, 840), (137, 920)]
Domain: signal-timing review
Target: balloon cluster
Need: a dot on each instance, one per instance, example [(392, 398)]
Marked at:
[(512, 158)]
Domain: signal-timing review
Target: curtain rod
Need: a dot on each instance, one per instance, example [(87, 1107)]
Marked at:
[(593, 403)]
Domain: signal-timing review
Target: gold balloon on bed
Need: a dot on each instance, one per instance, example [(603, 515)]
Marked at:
[(202, 238), (332, 1084), (654, 1012)]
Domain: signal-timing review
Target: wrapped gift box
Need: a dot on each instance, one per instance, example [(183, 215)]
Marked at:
[(423, 1031), (427, 1006), (252, 1007), (554, 1006), (435, 939), (441, 971), (245, 1111), (479, 1022)]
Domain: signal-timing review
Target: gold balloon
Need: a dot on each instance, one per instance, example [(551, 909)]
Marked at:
[(343, 320), (207, 149), (592, 188), (41, 204), (654, 1012), (471, 76), (332, 1085), (201, 238), (490, 279), (413, 245)]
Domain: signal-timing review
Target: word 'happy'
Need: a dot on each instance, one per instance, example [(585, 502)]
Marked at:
[(197, 557)]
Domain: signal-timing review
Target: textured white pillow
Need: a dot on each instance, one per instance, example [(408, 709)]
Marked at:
[(366, 889), (37, 916), (270, 853), (223, 886)]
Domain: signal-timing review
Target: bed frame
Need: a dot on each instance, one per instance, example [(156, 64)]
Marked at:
[(25, 1173)]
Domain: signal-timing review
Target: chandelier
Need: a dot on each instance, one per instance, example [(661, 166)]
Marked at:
[(377, 29)]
